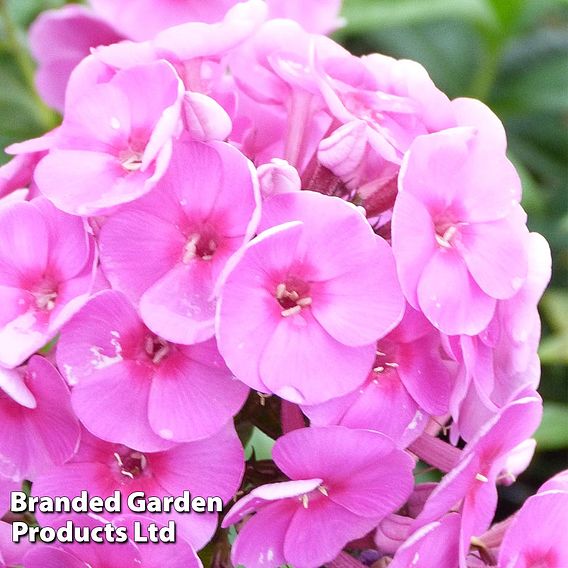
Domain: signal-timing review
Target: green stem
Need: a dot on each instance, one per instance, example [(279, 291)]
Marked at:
[(486, 74), (47, 117)]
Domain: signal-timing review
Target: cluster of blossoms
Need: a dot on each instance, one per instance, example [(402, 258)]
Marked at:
[(240, 223)]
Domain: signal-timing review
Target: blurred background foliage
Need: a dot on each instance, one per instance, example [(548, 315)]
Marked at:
[(512, 54)]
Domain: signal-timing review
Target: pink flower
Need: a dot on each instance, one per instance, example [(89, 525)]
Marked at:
[(409, 374), (472, 482), (7, 485), (17, 174), (503, 360), (191, 47), (11, 554), (558, 482), (370, 407), (142, 20), (59, 40), (84, 554), (39, 429), (382, 105), (98, 555), (167, 250), (281, 113), (46, 274), (115, 141), (458, 231), (537, 534), (133, 387), (195, 47), (301, 310), (278, 176), (157, 555), (315, 16), (343, 483), (435, 545), (208, 468)]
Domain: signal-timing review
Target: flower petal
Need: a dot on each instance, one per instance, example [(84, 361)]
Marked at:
[(113, 405), (317, 534), (450, 298), (248, 312), (138, 248), (36, 439), (193, 394), (363, 304), (496, 255), (413, 242), (180, 306), (24, 242), (210, 467), (260, 542), (302, 363)]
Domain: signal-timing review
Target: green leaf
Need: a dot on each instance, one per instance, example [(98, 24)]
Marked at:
[(554, 348), (553, 431), (508, 13), (555, 307), (534, 75), (366, 15), (24, 12), (261, 443), (19, 115)]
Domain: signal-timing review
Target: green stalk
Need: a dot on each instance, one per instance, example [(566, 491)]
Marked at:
[(486, 74)]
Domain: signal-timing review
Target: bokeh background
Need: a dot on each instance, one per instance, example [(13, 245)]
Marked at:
[(512, 54)]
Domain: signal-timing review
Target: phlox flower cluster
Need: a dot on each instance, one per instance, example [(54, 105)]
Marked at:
[(240, 227)]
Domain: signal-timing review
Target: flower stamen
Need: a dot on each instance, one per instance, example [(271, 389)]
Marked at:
[(46, 301), (133, 162), (292, 298), (131, 464), (198, 247), (156, 348), (291, 311)]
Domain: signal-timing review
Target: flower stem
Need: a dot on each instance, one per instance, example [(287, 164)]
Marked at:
[(436, 452)]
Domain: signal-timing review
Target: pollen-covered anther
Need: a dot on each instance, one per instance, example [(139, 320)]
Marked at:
[(156, 348), (445, 236), (46, 301), (190, 249), (323, 490), (392, 365), (305, 500), (198, 247), (133, 162), (291, 301), (291, 311), (212, 245), (263, 398), (481, 477), (379, 369), (132, 464)]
